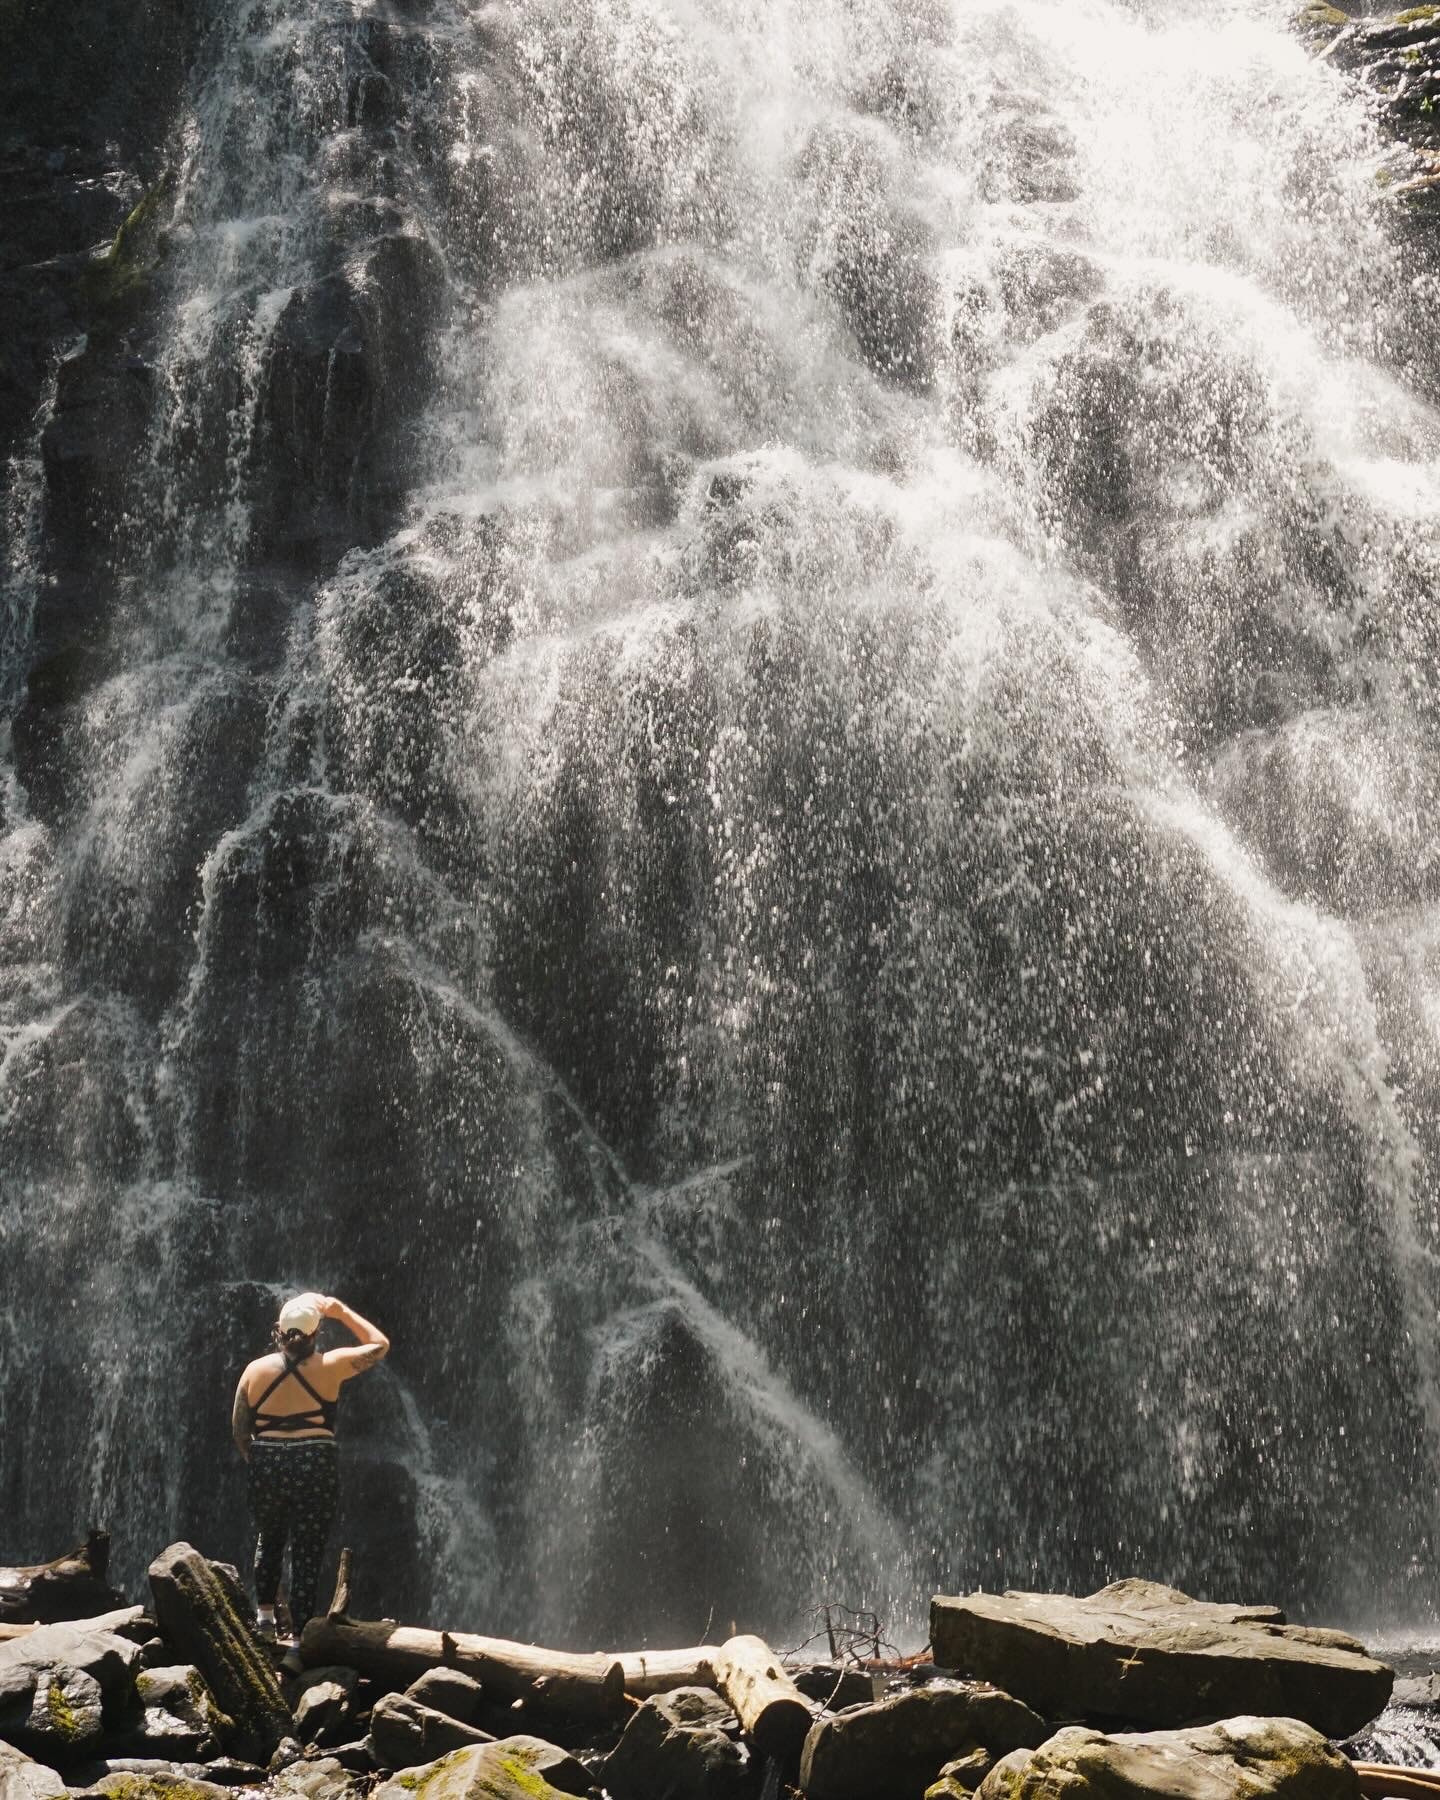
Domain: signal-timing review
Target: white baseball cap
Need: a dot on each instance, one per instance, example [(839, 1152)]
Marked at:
[(301, 1314)]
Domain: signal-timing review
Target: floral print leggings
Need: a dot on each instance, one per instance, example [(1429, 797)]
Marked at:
[(293, 1490)]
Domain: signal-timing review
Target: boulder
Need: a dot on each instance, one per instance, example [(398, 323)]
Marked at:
[(325, 1705), (22, 1779), (515, 1768), (157, 1784), (1237, 1759), (1137, 1650), (557, 1768), (60, 1685), (197, 1612), (64, 1719), (403, 1733), (897, 1746), (449, 1691), (323, 1779), (108, 1659), (676, 1747), (126, 1621), (222, 1771), (180, 1718)]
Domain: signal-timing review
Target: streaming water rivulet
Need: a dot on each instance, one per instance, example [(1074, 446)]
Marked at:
[(759, 761)]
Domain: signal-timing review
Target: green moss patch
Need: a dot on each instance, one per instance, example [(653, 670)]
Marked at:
[(122, 276)]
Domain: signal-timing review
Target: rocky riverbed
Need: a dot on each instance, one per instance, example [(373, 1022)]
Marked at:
[(1137, 1690)]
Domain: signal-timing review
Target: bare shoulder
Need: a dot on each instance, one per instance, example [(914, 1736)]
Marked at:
[(262, 1365)]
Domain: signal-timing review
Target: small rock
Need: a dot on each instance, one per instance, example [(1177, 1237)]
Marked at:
[(324, 1706), (229, 1771), (960, 1778), (181, 1719), (287, 1751), (358, 1757), (448, 1691), (323, 1779)]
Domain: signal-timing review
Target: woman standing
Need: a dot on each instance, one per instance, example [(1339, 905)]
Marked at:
[(284, 1426)]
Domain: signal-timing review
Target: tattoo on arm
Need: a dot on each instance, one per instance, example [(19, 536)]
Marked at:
[(242, 1422), (369, 1354)]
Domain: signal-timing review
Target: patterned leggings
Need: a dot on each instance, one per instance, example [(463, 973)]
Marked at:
[(293, 1490)]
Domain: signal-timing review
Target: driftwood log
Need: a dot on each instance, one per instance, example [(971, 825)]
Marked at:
[(772, 1711), (74, 1586), (589, 1687), (1380, 1779), (650, 1672)]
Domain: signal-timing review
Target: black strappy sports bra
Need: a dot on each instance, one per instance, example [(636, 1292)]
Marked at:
[(320, 1417)]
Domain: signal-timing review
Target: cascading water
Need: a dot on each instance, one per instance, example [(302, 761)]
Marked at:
[(749, 744)]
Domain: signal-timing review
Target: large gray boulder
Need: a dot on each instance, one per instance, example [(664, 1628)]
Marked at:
[(109, 1659), (897, 1746), (197, 1611), (515, 1768), (676, 1747), (1237, 1759), (22, 1779), (61, 1686), (1139, 1651)]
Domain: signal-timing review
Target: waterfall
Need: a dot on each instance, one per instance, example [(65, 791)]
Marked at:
[(731, 709)]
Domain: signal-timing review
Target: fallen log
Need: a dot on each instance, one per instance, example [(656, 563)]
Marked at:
[(589, 1687), (772, 1711), (651, 1672), (73, 1586), (1380, 1779)]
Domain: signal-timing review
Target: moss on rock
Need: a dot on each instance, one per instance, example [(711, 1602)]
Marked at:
[(120, 278)]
